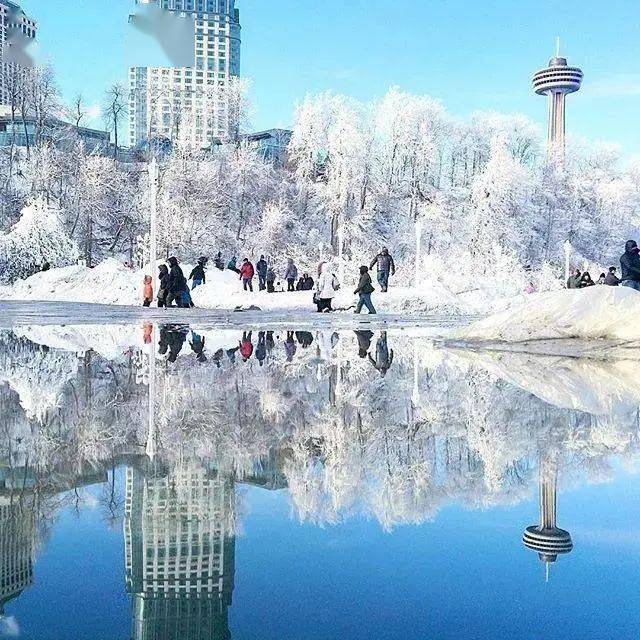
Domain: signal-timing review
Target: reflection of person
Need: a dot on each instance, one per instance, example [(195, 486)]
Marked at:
[(246, 346), (304, 338), (172, 339), (364, 342), (290, 346), (384, 355), (261, 349), (197, 346)]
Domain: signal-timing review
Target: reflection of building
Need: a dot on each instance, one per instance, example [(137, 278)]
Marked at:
[(17, 545), (546, 538), (556, 81), (180, 552), (161, 97)]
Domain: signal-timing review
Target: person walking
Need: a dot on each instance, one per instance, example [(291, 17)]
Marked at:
[(262, 268), (271, 280), (198, 275), (291, 275), (630, 264), (246, 275), (386, 268), (364, 290), (611, 279), (177, 284), (325, 289), (574, 280), (163, 290), (147, 291)]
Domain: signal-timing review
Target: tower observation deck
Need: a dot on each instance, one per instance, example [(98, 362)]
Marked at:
[(556, 81), (547, 538)]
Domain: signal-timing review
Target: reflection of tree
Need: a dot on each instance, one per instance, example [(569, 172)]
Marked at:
[(436, 428)]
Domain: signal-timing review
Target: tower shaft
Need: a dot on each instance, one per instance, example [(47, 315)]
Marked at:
[(557, 122)]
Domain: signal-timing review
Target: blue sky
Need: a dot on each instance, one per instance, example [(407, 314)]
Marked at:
[(471, 55)]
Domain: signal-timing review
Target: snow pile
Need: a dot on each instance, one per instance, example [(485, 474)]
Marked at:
[(596, 312), (110, 282)]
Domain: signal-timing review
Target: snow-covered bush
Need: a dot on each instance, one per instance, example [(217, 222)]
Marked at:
[(37, 238)]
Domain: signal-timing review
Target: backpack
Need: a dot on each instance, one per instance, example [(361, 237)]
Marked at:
[(335, 283)]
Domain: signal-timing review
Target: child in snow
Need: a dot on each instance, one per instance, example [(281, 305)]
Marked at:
[(147, 291)]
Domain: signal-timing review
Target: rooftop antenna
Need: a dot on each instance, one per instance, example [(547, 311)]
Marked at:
[(557, 46)]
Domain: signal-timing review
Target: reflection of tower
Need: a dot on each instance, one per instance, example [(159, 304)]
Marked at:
[(180, 552), (547, 539), (17, 541), (556, 81)]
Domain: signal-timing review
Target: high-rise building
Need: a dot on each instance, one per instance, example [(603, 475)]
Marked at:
[(555, 82), (16, 28), (179, 553), (195, 100), (17, 545)]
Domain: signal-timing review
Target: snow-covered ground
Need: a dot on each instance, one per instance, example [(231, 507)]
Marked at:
[(110, 282), (594, 313)]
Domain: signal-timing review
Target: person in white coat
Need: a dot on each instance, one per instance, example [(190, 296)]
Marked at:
[(325, 288)]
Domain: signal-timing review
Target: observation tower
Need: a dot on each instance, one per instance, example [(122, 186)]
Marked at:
[(547, 538), (556, 81)]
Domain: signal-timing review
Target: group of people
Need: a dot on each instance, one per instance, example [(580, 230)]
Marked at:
[(174, 287), (629, 275), (173, 338)]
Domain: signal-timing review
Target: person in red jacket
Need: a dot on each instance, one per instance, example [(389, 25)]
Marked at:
[(246, 274)]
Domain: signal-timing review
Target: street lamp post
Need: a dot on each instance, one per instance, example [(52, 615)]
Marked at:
[(567, 260), (153, 215)]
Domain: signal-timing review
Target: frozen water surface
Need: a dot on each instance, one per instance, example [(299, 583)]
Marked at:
[(213, 475)]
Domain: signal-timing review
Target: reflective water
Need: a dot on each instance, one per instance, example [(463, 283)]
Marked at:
[(176, 482)]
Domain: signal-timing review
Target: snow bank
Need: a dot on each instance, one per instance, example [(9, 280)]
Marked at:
[(596, 312), (110, 282)]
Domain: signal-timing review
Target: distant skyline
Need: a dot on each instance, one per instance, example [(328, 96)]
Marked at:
[(471, 56)]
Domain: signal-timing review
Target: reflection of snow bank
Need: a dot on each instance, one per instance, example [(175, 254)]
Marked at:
[(599, 387), (110, 341), (597, 312)]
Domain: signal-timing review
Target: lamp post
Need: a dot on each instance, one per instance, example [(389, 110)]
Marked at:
[(418, 245), (567, 260), (153, 216)]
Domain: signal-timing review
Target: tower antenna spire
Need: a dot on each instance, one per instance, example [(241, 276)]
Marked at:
[(557, 46)]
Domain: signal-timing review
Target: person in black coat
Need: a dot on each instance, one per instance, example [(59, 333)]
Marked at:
[(611, 278), (163, 279), (177, 284), (198, 275), (261, 269), (305, 283), (630, 263), (365, 289)]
